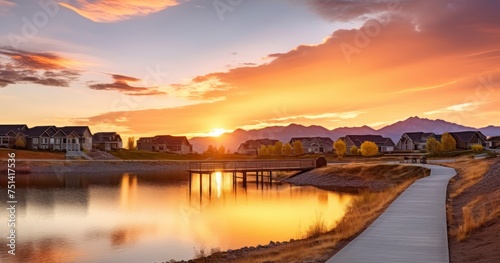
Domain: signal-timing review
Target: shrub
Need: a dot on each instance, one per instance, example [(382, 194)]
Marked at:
[(477, 148), (354, 150), (340, 148), (369, 149)]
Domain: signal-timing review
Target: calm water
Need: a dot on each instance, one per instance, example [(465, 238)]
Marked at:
[(147, 217)]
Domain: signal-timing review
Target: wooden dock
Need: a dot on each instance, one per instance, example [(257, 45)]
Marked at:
[(208, 167), (261, 169)]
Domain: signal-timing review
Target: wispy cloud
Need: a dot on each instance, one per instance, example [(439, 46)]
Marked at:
[(121, 84), (331, 115), (6, 5), (455, 108), (426, 88), (105, 11), (46, 69), (201, 88)]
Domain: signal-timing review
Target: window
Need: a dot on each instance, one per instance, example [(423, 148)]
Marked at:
[(45, 140), (64, 140), (58, 141), (51, 140), (35, 140), (5, 140)]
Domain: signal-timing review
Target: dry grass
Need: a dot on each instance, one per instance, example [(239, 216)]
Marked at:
[(25, 154), (478, 212), (370, 172), (364, 209), (470, 172), (317, 228)]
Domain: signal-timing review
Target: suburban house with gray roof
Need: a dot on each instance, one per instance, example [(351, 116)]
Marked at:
[(315, 144), (466, 139), (384, 144), (51, 138), (84, 135), (9, 133), (107, 141), (251, 147), (165, 143), (493, 142), (414, 141)]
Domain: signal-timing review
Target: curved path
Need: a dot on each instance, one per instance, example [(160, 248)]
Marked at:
[(412, 229)]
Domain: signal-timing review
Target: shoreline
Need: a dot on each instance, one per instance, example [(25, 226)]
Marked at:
[(342, 234), (101, 166)]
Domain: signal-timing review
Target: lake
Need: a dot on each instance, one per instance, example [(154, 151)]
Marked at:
[(156, 217)]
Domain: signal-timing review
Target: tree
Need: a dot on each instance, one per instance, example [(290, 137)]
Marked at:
[(433, 146), (340, 148), (298, 148), (287, 149), (263, 150), (211, 150), (131, 143), (477, 148), (221, 150), (369, 148), (270, 149), (354, 150), (20, 142), (449, 143), (278, 148)]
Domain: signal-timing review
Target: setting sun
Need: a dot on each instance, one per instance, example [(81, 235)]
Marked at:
[(216, 132)]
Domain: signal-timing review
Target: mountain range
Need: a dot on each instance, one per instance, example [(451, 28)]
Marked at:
[(394, 131)]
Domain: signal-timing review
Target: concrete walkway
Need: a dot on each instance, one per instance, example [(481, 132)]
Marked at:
[(412, 229)]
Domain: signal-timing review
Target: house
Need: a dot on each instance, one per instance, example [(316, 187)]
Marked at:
[(251, 147), (384, 144), (145, 143), (51, 138), (39, 137), (9, 134), (107, 141), (414, 141), (493, 142), (315, 144), (466, 139), (165, 143), (84, 135)]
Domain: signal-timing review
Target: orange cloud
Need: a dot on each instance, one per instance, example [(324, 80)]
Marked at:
[(121, 85), (105, 11), (398, 71), (47, 69)]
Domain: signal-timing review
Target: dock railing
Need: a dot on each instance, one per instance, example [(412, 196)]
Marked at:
[(211, 166)]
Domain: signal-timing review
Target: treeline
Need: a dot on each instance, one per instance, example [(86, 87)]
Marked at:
[(447, 144), (214, 150), (281, 149), (367, 148)]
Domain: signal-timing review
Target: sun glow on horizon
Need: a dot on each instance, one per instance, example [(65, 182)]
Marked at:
[(217, 132)]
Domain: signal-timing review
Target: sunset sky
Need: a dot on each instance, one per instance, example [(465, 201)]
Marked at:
[(189, 67)]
